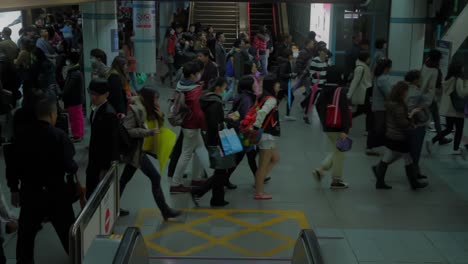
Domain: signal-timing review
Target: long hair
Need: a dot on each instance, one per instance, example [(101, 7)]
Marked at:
[(269, 85), (398, 92), (382, 64), (118, 64), (246, 83), (148, 94)]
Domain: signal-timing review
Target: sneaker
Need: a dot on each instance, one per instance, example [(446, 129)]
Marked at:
[(338, 185), (219, 204), (429, 147), (198, 183), (263, 196), (318, 175), (372, 152), (290, 118), (180, 189)]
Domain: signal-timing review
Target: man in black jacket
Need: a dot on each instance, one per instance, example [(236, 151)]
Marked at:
[(103, 145), (210, 70), (48, 155)]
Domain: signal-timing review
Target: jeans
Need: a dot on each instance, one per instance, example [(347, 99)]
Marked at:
[(232, 89), (264, 64), (416, 142), (434, 108), (334, 160), (147, 167), (192, 144), (458, 123)]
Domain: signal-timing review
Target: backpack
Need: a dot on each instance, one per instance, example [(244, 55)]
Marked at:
[(249, 120), (178, 110)]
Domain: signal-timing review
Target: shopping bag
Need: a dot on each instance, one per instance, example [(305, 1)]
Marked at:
[(230, 141), (220, 161), (164, 143), (344, 145)]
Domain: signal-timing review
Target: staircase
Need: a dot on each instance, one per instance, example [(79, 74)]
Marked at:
[(261, 14), (223, 16)]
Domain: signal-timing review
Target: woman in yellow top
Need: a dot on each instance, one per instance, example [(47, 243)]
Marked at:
[(143, 108)]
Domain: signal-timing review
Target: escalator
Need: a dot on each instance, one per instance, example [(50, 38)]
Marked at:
[(223, 16), (131, 249), (262, 14)]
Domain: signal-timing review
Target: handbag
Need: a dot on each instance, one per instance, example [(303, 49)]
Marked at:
[(230, 141), (218, 160), (344, 145)]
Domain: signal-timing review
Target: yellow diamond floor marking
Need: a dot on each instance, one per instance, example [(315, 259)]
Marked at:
[(288, 242)]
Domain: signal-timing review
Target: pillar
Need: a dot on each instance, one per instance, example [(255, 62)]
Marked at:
[(100, 31), (407, 34), (144, 25)]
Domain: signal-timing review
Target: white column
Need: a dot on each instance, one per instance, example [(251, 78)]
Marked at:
[(407, 35), (99, 31), (144, 25)]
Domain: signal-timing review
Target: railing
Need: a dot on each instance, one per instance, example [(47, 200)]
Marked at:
[(97, 218), (191, 13), (307, 249), (237, 20), (132, 248)]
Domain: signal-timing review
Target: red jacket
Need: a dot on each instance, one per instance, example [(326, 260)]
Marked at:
[(171, 46), (259, 43), (192, 92)]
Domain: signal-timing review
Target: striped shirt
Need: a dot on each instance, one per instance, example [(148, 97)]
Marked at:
[(318, 67)]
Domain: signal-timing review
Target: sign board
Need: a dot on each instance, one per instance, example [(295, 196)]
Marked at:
[(108, 211), (145, 18), (445, 47)]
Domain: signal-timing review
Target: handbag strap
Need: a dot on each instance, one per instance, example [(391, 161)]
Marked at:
[(336, 96)]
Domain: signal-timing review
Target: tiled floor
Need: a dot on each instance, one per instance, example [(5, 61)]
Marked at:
[(358, 225)]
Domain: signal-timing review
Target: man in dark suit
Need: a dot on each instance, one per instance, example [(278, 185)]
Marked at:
[(103, 145), (220, 53), (41, 160)]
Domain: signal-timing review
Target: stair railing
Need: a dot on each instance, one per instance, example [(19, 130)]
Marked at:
[(275, 30), (237, 20), (191, 12)]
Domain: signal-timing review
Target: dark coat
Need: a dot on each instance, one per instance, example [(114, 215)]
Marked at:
[(103, 145), (284, 72), (212, 106), (48, 154), (397, 121), (117, 96), (220, 55), (304, 57), (325, 99), (244, 101), (210, 73), (74, 87)]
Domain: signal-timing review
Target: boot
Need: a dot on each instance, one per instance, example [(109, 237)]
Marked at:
[(411, 173), (379, 172), (166, 211)]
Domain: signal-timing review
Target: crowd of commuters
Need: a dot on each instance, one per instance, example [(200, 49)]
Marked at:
[(44, 71)]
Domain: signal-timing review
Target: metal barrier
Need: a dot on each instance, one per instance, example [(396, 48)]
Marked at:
[(307, 249), (98, 216)]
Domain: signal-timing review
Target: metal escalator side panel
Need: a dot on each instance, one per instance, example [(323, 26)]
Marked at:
[(132, 248), (307, 249)]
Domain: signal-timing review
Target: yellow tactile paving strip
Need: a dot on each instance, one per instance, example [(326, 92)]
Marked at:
[(287, 242)]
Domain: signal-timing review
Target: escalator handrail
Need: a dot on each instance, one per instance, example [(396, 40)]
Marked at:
[(127, 244), (83, 219), (312, 247)]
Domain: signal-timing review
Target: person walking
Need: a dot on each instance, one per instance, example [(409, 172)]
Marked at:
[(145, 107), (103, 144), (211, 103), (220, 53), (454, 86), (359, 92), (43, 192), (286, 75), (168, 54), (335, 160), (191, 129), (73, 94), (398, 120), (431, 84), (120, 92), (380, 91), (267, 119), (210, 70)]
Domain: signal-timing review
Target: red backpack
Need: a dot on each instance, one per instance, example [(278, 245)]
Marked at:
[(249, 120)]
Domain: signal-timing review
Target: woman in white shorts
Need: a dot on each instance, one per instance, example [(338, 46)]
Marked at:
[(268, 120)]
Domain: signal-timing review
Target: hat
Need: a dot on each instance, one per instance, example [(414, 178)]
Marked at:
[(99, 86)]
